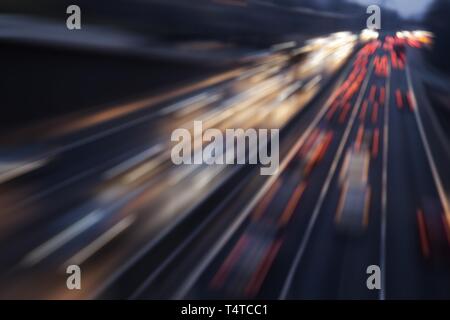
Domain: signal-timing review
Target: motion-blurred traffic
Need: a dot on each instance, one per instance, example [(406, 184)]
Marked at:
[(86, 176)]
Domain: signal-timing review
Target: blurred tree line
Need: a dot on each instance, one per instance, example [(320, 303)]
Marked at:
[(437, 21)]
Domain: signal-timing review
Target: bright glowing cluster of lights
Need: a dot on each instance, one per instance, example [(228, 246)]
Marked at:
[(329, 50), (417, 35), (368, 35)]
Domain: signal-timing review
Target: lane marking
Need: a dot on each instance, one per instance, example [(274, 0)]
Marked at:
[(133, 161), (100, 242), (61, 239), (8, 173), (382, 293)]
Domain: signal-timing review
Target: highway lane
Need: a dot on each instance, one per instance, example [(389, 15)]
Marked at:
[(334, 264)]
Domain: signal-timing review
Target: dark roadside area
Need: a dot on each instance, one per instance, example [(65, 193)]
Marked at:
[(42, 80), (39, 83)]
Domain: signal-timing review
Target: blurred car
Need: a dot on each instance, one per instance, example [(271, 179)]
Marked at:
[(352, 214)]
